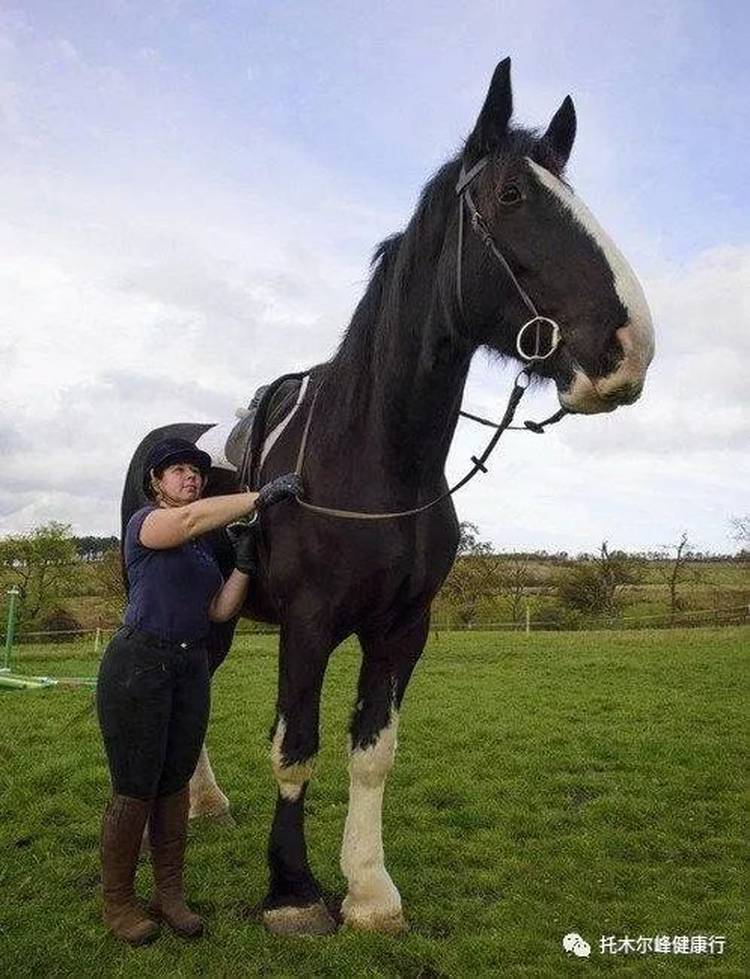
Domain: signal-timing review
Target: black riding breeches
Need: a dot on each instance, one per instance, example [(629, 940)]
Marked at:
[(153, 704)]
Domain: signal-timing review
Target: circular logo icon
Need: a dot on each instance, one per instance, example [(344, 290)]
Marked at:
[(573, 943)]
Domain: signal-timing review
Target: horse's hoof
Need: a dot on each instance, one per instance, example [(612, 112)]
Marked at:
[(387, 924), (218, 817), (312, 919), (221, 819)]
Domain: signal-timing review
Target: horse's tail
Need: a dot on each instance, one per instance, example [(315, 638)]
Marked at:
[(133, 495), (133, 498)]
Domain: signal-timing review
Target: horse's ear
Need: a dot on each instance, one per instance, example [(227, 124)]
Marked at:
[(495, 115), (562, 130)]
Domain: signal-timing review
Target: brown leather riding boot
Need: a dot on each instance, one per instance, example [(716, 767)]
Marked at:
[(122, 829), (168, 836)]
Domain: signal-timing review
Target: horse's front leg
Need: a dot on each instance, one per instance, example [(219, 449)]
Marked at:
[(294, 905), (373, 902), (206, 798)]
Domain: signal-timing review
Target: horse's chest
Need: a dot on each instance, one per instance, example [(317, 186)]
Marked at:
[(362, 566)]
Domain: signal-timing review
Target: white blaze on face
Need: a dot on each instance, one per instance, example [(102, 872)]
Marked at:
[(372, 901), (290, 778), (636, 335)]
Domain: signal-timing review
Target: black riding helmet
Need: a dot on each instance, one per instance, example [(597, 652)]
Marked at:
[(167, 452)]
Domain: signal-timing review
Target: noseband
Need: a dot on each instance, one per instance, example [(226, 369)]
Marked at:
[(539, 324)]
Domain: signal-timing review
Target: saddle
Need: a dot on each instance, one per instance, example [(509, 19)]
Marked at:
[(243, 444)]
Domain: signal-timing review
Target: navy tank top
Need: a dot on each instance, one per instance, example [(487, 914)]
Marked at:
[(171, 589)]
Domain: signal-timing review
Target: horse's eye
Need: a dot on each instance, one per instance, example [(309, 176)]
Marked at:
[(510, 194)]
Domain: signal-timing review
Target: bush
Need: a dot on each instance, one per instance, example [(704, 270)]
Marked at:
[(583, 589), (555, 617), (591, 587), (60, 620)]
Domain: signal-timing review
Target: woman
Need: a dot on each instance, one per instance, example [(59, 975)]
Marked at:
[(153, 689)]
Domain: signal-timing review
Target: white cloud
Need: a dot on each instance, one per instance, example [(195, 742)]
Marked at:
[(147, 277), (115, 323)]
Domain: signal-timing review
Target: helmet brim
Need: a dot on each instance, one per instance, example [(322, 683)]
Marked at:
[(195, 456), (198, 458)]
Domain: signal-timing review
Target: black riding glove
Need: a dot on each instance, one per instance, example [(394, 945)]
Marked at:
[(242, 535), (280, 488)]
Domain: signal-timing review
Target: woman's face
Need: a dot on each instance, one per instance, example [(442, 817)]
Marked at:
[(181, 483)]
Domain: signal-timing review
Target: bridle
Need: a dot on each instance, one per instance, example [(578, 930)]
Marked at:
[(539, 324)]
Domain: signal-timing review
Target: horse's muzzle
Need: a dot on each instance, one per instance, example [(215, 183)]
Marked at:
[(592, 395)]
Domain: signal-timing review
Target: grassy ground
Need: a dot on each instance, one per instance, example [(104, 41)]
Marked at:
[(556, 783)]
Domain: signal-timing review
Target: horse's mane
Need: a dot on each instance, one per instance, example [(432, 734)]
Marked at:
[(376, 320), (374, 326)]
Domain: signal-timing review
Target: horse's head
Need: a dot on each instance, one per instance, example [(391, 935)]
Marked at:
[(520, 210)]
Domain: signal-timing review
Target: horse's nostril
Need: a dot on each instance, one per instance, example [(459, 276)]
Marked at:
[(624, 394), (631, 393)]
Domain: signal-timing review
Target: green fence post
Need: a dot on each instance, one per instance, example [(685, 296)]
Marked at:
[(10, 627)]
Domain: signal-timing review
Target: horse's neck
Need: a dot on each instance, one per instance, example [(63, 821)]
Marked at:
[(401, 420)]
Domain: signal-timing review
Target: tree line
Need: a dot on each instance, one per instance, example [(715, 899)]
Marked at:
[(49, 565), (586, 587)]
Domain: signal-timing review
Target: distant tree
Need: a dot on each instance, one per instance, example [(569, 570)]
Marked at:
[(108, 576), (672, 563), (41, 565), (91, 548), (514, 578), (474, 576), (469, 542), (740, 528), (592, 584)]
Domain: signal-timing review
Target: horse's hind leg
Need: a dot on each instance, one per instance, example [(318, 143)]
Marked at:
[(373, 903), (294, 905), (206, 798)]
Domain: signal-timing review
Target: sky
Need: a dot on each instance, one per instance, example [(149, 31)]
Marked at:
[(191, 194)]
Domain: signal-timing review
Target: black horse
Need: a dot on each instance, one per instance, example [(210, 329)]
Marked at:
[(497, 235)]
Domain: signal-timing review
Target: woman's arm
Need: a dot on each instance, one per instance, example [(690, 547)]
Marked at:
[(229, 600), (172, 526)]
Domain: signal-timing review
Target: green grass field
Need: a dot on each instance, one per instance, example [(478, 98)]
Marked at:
[(587, 782)]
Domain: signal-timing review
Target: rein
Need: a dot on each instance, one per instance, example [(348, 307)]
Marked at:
[(538, 323), (516, 394)]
